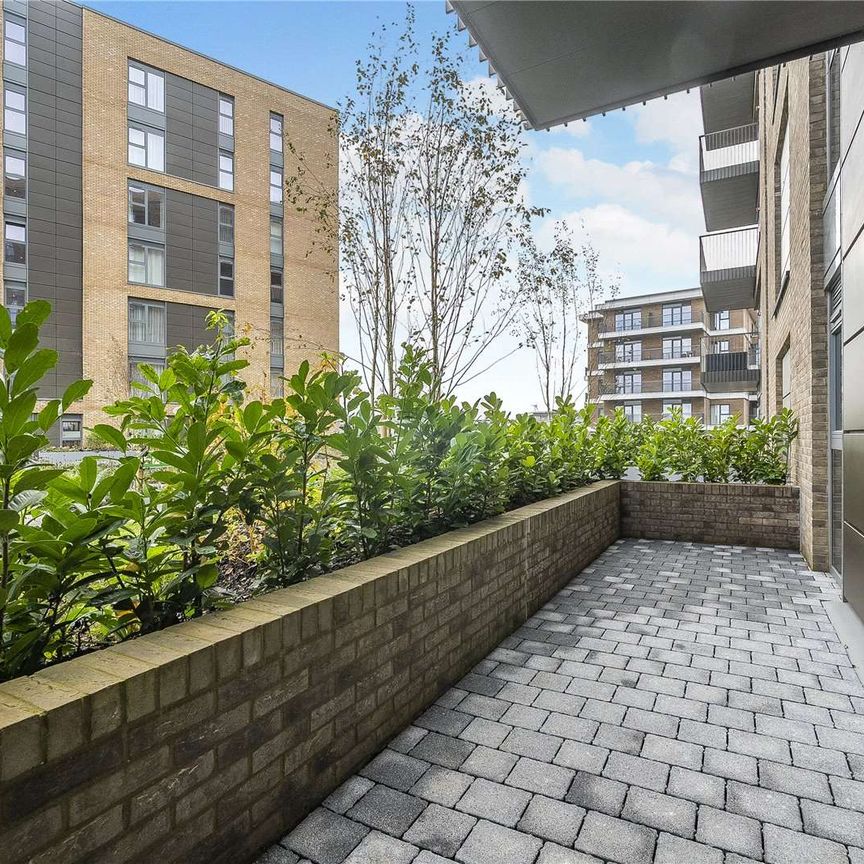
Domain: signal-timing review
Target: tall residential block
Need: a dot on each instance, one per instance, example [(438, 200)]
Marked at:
[(143, 188), (651, 353)]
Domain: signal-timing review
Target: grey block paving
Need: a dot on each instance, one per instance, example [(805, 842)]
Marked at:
[(676, 703)]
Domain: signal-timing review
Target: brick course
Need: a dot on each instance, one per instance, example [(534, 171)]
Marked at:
[(737, 514)]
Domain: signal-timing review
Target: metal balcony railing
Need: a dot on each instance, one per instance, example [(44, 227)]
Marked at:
[(728, 250), (730, 362), (636, 356), (670, 318), (728, 153), (611, 388), (727, 268)]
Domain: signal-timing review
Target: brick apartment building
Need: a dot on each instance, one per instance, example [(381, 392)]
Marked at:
[(803, 270), (143, 187), (651, 353)]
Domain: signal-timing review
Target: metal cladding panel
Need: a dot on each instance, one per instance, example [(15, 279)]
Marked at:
[(187, 326), (192, 242), (192, 130), (853, 568), (853, 479), (853, 397), (54, 180)]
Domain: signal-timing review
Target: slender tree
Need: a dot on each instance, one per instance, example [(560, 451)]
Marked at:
[(430, 211), (558, 287)]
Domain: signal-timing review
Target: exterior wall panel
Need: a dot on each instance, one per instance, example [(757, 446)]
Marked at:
[(54, 182)]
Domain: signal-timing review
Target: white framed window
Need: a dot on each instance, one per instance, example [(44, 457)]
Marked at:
[(676, 380), (226, 170), (146, 263), (720, 413), (15, 246), (720, 346), (276, 287), (275, 236), (722, 320), (226, 223), (226, 115), (275, 185), (786, 378), (135, 376), (146, 205), (628, 352), (15, 296), (628, 382), (276, 132), (676, 348), (147, 323), (686, 408), (629, 319), (785, 198), (14, 111), (226, 277), (676, 313), (277, 338), (15, 41), (15, 174), (633, 411), (146, 87), (146, 147)]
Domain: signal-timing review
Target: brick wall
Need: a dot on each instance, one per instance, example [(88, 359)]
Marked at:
[(795, 318), (737, 514), (205, 742)]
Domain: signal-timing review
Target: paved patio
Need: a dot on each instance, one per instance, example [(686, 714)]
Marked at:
[(675, 703)]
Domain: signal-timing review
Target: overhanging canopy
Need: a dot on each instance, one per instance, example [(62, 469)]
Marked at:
[(563, 60)]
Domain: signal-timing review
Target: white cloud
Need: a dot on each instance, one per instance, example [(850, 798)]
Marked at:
[(676, 121), (649, 255), (650, 189)]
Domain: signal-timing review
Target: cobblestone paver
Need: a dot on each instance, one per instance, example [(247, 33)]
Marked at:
[(676, 703)]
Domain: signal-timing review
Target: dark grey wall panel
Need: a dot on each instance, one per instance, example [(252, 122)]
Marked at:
[(54, 182), (192, 242), (187, 326), (191, 130), (853, 473)]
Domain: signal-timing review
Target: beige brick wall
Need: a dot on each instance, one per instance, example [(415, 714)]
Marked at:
[(797, 319), (311, 297), (208, 741), (732, 513)]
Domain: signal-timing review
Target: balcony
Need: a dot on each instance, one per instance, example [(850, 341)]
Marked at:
[(729, 176), (727, 269), (728, 103), (627, 356), (651, 322), (730, 363), (610, 391)]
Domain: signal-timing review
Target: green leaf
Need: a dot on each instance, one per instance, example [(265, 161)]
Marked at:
[(75, 391), (5, 326), (33, 370), (111, 435), (8, 521), (35, 312), (22, 342)]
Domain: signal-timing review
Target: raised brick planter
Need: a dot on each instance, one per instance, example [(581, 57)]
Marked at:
[(207, 741), (735, 513)]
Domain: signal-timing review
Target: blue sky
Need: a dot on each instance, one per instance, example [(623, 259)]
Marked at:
[(631, 177)]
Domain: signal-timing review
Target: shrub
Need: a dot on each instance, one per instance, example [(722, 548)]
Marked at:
[(324, 476)]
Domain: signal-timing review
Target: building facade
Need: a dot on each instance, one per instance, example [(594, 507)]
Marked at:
[(143, 188), (651, 353), (804, 271)]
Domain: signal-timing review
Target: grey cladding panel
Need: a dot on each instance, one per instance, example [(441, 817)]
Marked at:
[(187, 326), (192, 243), (54, 184), (192, 130)]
